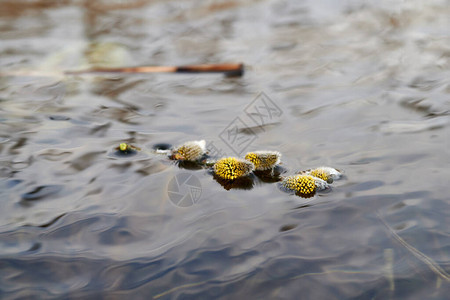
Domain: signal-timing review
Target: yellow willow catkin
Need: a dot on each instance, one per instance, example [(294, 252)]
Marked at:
[(263, 160), (189, 151), (232, 168), (303, 184), (327, 174)]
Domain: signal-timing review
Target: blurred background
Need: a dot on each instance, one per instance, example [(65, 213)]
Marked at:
[(361, 86)]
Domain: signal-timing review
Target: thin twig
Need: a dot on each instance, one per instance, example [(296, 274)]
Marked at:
[(227, 69), (425, 259)]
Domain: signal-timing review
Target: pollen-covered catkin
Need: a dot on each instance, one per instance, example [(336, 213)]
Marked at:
[(232, 168), (189, 151), (303, 184), (325, 173), (263, 160)]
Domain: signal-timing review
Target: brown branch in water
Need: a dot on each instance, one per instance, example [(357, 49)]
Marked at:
[(105, 6), (15, 8), (228, 69)]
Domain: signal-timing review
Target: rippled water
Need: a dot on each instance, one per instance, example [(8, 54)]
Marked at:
[(362, 86)]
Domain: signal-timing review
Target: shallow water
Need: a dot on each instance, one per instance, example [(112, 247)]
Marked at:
[(362, 86)]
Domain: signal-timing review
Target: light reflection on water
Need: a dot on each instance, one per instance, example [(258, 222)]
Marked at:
[(363, 87)]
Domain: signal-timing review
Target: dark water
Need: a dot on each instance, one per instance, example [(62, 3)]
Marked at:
[(362, 86)]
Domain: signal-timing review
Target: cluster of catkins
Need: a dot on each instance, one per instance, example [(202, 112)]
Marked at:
[(304, 183)]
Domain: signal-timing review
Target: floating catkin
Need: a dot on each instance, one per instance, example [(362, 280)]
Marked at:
[(304, 185), (189, 151), (125, 148), (263, 160), (231, 168), (327, 174)]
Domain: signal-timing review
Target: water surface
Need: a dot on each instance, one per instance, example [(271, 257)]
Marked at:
[(362, 86)]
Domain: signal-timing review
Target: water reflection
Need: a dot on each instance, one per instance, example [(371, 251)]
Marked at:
[(41, 192), (243, 183), (189, 165), (271, 176)]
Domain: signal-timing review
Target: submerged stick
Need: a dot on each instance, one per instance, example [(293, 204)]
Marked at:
[(228, 69), (425, 259), (389, 267)]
